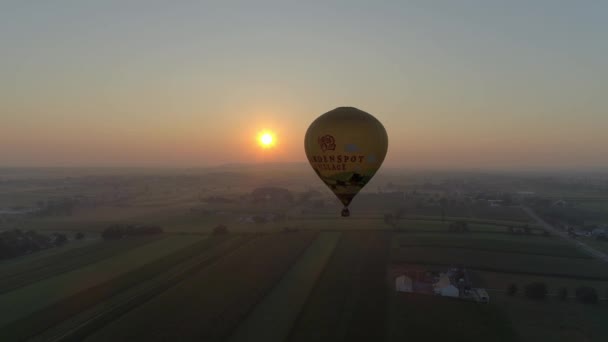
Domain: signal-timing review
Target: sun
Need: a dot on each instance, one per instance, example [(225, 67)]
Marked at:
[(266, 139)]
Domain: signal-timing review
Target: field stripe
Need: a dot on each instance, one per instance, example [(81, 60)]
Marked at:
[(209, 305), (85, 323), (36, 296), (348, 302), (26, 273), (272, 319)]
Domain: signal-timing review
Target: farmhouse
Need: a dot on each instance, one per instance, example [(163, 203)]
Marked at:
[(403, 283)]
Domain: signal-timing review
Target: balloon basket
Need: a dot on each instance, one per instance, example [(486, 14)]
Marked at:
[(345, 212)]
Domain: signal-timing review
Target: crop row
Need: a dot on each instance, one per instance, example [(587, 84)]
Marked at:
[(349, 300), (522, 245), (101, 293), (209, 304), (24, 273)]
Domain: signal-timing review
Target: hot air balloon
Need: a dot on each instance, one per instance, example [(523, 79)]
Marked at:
[(345, 147)]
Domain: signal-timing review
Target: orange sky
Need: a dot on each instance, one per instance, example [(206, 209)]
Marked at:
[(192, 85)]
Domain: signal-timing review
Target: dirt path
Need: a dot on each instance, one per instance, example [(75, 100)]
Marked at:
[(590, 250)]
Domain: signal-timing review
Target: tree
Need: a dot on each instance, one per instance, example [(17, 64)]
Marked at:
[(220, 230), (562, 293), (536, 290), (512, 290), (586, 295), (113, 232), (79, 236), (60, 239)]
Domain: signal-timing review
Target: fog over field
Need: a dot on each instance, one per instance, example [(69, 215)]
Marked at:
[(215, 253)]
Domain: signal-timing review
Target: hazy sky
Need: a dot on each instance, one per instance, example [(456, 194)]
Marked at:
[(484, 84)]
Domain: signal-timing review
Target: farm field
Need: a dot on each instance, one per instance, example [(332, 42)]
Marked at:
[(518, 244), (273, 318), (501, 261), (597, 244), (110, 300), (349, 299), (302, 272), (554, 320), (28, 299), (211, 303), (15, 275), (417, 317), (28, 261)]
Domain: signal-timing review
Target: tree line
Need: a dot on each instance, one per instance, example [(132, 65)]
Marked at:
[(16, 242), (119, 231), (538, 290)]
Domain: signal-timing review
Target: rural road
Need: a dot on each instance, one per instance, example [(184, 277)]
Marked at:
[(594, 252)]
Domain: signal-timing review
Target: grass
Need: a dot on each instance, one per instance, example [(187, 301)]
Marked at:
[(29, 299), (13, 276), (503, 262), (16, 263), (509, 244), (124, 293), (595, 243), (272, 319), (209, 304), (349, 299), (416, 317), (554, 320)]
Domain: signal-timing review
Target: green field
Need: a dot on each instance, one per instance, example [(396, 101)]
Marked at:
[(211, 303), (325, 282), (595, 243), (273, 318), (98, 306), (554, 320), (508, 244), (349, 300), (415, 317), (30, 270), (501, 261), (28, 299)]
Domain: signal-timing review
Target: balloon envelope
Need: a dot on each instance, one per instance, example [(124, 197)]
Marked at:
[(345, 147)]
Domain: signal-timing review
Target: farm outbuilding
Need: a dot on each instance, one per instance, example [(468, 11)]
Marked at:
[(444, 287), (448, 291), (403, 283), (481, 295)]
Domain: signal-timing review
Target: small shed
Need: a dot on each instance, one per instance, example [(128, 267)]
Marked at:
[(403, 283)]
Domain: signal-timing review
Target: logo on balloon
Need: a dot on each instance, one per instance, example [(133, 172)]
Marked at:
[(327, 142)]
